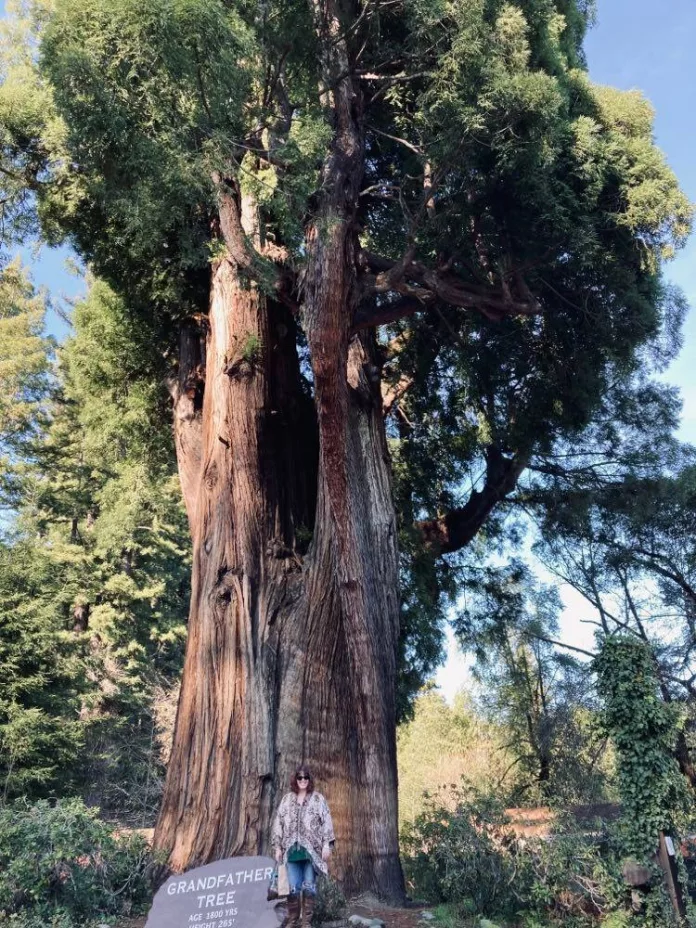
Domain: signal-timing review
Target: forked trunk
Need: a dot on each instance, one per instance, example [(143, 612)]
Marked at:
[(291, 651)]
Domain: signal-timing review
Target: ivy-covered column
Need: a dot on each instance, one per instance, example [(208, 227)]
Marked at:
[(655, 796)]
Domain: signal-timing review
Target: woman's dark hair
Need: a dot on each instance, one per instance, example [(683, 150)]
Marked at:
[(293, 780)]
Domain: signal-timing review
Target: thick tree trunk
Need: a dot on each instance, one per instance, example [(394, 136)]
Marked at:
[(354, 551), (291, 653), (351, 598), (219, 788)]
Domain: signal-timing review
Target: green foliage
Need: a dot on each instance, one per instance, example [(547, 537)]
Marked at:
[(152, 98), (442, 743), (155, 102), (107, 497), (553, 185), (457, 854), (94, 578), (25, 375), (653, 792), (537, 169), (463, 852), (41, 736), (539, 697), (60, 865), (576, 880), (32, 134), (250, 350), (329, 903)]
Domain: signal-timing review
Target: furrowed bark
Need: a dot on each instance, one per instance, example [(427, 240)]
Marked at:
[(254, 492), (186, 390)]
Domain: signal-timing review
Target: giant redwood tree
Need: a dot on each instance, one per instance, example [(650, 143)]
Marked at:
[(385, 243)]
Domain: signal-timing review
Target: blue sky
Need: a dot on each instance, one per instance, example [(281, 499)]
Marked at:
[(651, 46)]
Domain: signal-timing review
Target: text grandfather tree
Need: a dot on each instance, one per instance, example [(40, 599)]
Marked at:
[(341, 215)]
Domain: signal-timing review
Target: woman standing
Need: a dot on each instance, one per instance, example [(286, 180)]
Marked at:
[(302, 838)]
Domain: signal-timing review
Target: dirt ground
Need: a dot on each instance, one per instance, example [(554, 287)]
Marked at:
[(366, 907), (392, 918)]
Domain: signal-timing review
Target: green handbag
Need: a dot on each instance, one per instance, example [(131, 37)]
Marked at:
[(297, 854)]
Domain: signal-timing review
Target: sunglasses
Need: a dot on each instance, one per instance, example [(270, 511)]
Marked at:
[(302, 777)]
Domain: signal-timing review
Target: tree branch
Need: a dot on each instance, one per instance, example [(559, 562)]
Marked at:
[(562, 644), (240, 249), (422, 284), (457, 528), (648, 560), (392, 393), (268, 263), (387, 313), (400, 141)]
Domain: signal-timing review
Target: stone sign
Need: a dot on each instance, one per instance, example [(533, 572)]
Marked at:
[(226, 894)]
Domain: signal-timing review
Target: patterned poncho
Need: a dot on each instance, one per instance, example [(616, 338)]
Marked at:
[(308, 824)]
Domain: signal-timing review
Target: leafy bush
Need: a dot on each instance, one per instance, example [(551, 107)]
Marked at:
[(574, 878), (330, 903), (61, 866), (462, 851)]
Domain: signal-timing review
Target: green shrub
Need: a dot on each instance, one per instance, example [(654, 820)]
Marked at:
[(574, 878), (330, 903), (26, 920), (461, 851), (61, 866)]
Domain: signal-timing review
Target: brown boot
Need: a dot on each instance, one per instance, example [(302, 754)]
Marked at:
[(294, 911), (307, 909)]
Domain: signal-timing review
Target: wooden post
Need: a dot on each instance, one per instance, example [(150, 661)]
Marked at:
[(666, 856)]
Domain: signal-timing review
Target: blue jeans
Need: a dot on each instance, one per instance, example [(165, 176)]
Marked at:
[(301, 876)]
